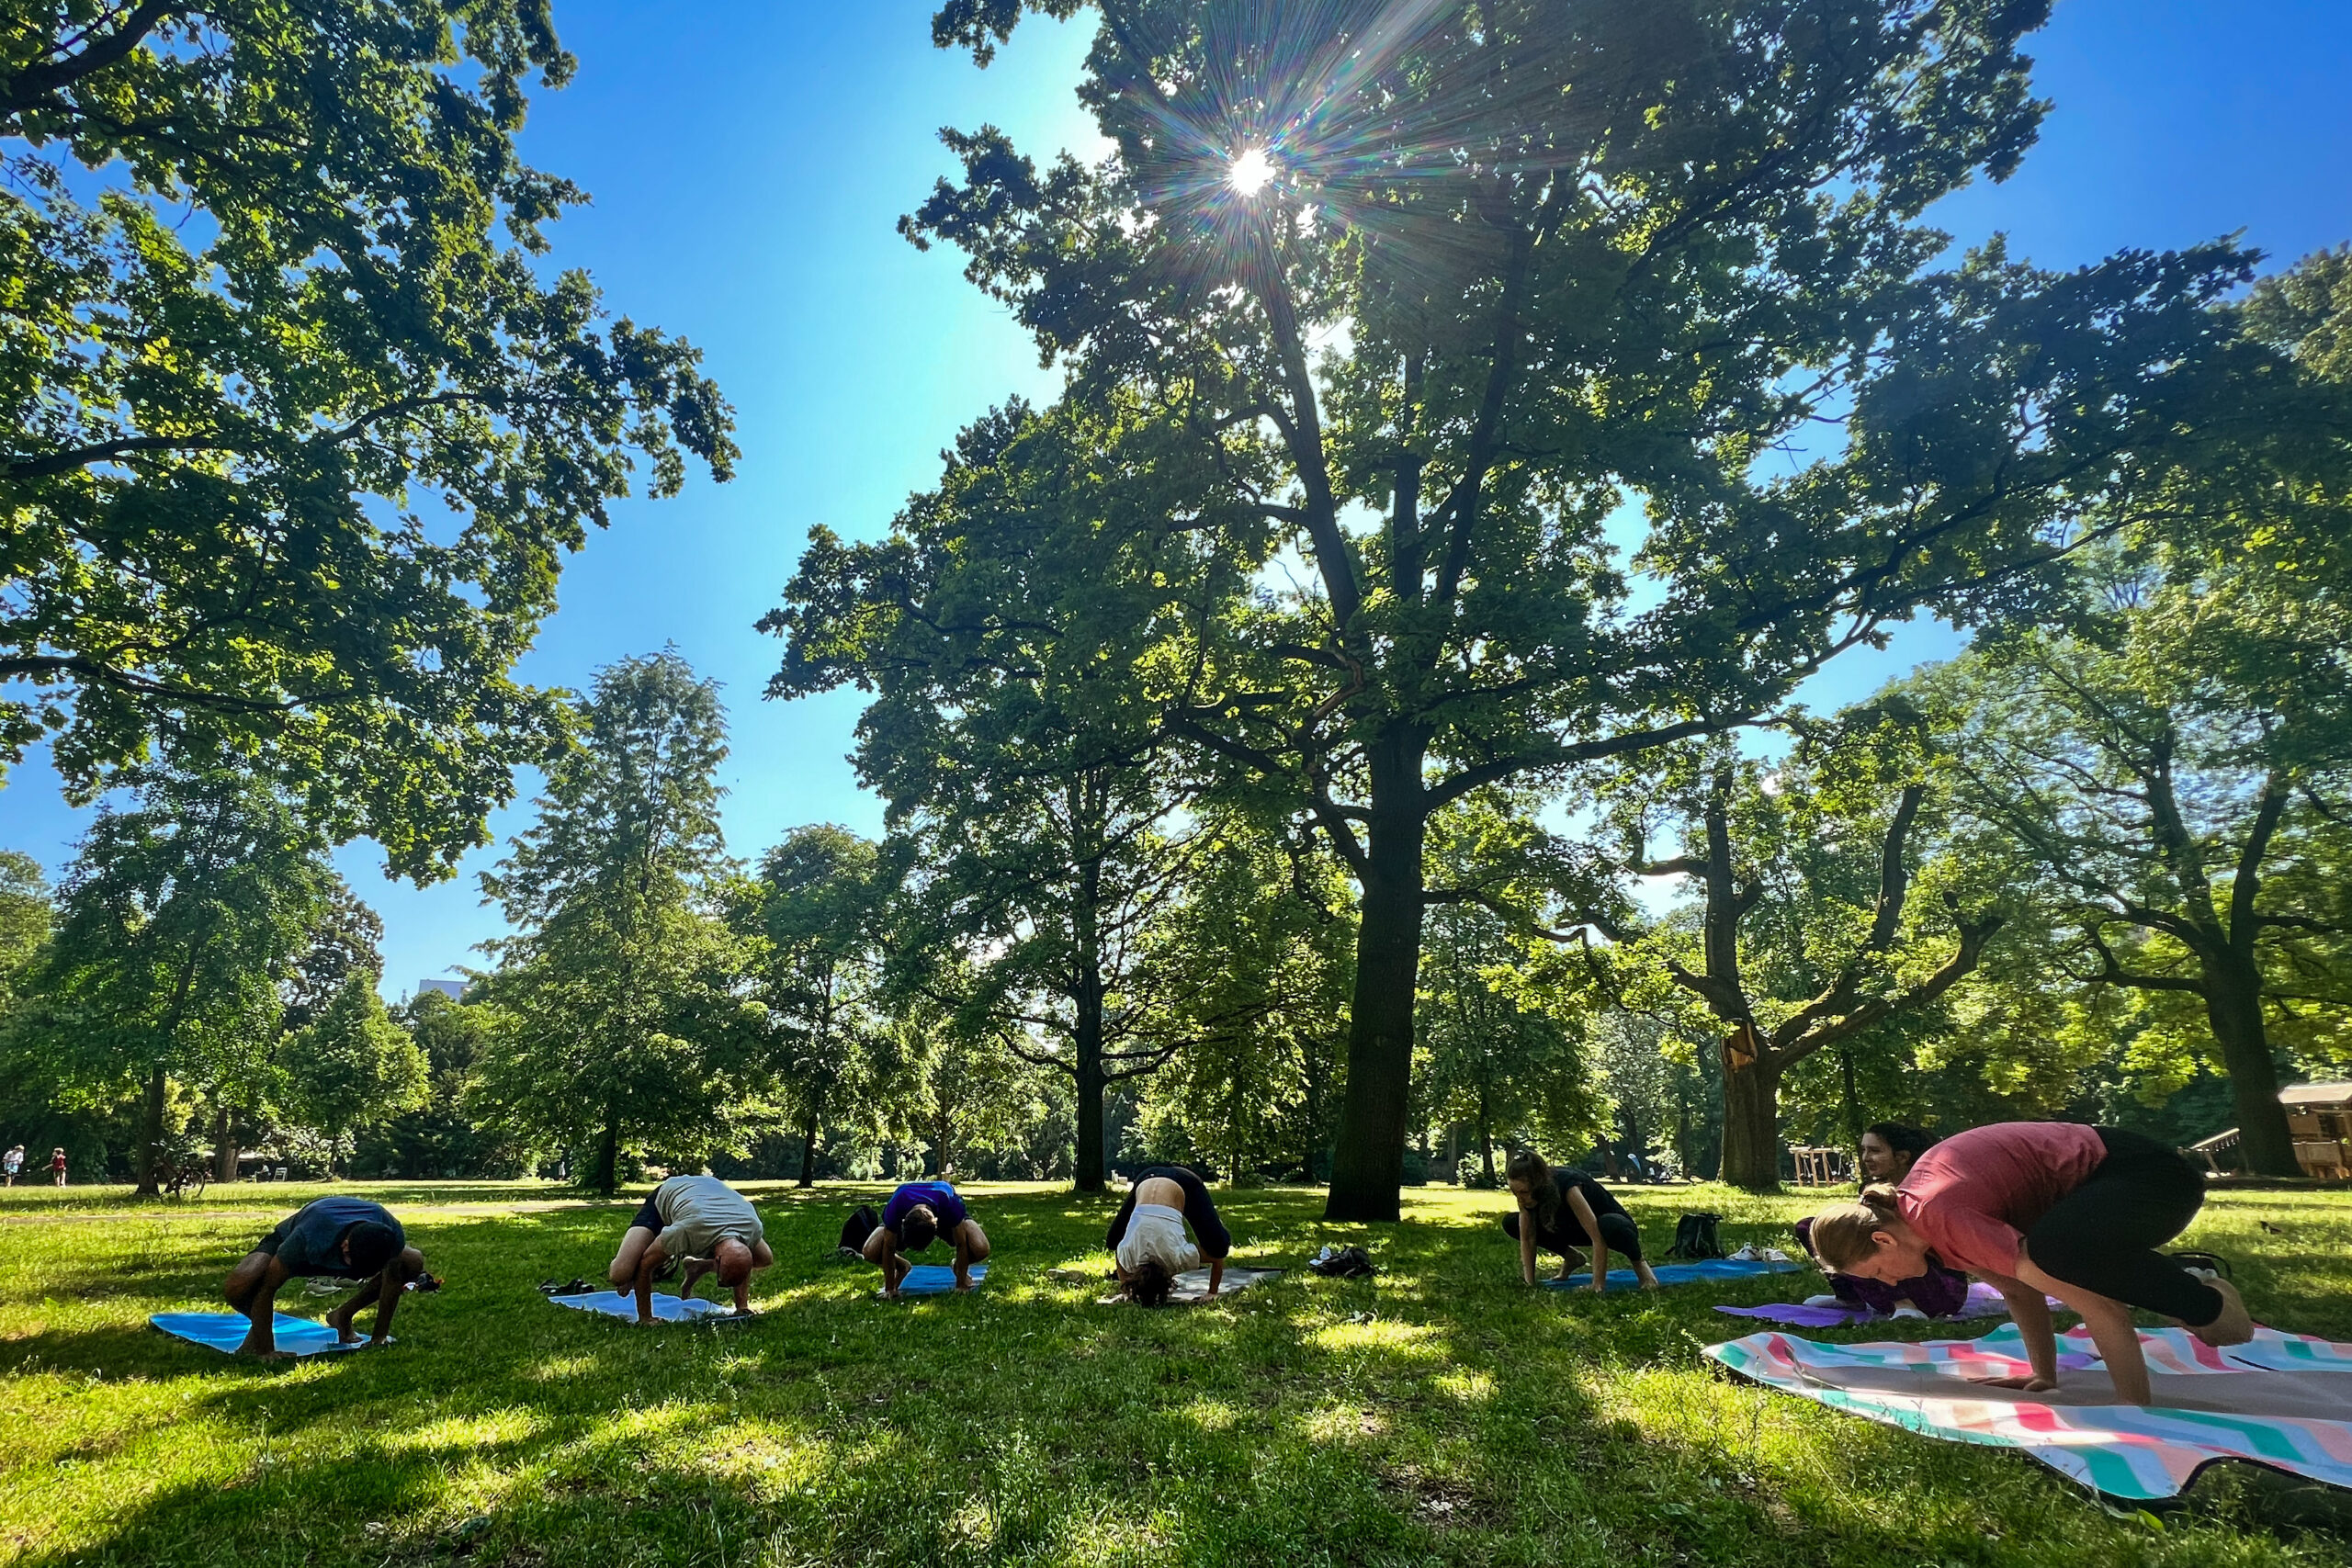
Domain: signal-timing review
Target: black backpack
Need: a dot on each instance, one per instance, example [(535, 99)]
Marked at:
[(1694, 1237), (1342, 1262), (862, 1223)]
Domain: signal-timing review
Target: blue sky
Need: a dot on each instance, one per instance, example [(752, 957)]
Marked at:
[(748, 166)]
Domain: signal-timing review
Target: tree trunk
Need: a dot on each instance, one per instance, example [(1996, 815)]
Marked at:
[(942, 1128), (2233, 1008), (1486, 1137), (606, 1176), (224, 1144), (1368, 1162), (151, 1136), (1086, 1002), (1853, 1101), (808, 1151), (1752, 1126)]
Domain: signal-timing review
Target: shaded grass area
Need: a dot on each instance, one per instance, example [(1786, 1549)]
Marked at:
[(1437, 1413)]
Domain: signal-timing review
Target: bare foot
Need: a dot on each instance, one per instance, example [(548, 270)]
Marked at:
[(340, 1321), (696, 1268), (2235, 1325)]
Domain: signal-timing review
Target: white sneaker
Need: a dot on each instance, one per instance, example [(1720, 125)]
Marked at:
[(1907, 1310)]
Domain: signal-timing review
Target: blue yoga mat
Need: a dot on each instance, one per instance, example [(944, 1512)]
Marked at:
[(935, 1279), (226, 1331), (666, 1309), (1681, 1273)]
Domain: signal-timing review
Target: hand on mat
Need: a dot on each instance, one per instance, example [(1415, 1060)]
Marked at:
[(2031, 1383)]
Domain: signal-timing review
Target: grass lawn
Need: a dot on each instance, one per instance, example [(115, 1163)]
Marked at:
[(1439, 1413)]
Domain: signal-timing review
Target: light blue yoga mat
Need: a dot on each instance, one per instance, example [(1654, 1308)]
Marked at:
[(226, 1330), (1681, 1273), (666, 1309), (935, 1279)]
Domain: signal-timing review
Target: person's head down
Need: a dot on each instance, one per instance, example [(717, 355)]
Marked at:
[(1528, 1175), (368, 1247), (734, 1261), (917, 1229), (1869, 1238), (1148, 1282)]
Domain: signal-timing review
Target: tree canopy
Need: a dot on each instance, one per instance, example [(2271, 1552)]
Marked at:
[(1531, 296), (298, 432)]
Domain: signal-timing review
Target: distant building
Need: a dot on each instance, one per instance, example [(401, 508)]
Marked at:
[(2319, 1117), (453, 989)]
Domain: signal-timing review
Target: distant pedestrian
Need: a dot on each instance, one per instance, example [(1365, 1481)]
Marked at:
[(13, 1162), (57, 1166)]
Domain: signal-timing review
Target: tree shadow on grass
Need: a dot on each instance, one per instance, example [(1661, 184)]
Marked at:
[(1439, 1412)]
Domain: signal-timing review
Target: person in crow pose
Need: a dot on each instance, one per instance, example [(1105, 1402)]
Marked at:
[(1560, 1210), (919, 1212), (2042, 1209), (1146, 1238), (340, 1238), (704, 1224)]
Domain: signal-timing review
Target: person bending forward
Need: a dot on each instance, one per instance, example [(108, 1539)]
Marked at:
[(918, 1211), (1147, 1240), (1560, 1209), (2040, 1208), (701, 1221), (340, 1238)]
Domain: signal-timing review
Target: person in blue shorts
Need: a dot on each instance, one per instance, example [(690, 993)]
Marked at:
[(917, 1214), (340, 1238)]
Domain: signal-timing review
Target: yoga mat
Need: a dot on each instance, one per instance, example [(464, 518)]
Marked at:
[(1983, 1301), (666, 1309), (1680, 1273), (2283, 1401), (1193, 1286), (226, 1330), (935, 1279)]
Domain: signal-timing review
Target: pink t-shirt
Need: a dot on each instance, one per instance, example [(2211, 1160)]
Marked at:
[(1974, 1196)]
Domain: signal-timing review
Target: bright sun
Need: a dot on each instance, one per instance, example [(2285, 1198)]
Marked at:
[(1249, 172)]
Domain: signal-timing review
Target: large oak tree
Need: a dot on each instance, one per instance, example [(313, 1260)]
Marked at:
[(1453, 304)]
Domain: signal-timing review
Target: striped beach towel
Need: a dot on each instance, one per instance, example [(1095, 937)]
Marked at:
[(2284, 1401)]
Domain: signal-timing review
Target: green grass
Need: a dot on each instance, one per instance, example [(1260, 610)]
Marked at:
[(1438, 1414)]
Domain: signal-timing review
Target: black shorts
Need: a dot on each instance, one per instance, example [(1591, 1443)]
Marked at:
[(276, 1238), (649, 1216)]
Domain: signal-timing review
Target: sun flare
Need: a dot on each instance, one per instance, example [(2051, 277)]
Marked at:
[(1250, 172)]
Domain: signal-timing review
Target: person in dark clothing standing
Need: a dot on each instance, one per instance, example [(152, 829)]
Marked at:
[(1561, 1210), (1146, 1238)]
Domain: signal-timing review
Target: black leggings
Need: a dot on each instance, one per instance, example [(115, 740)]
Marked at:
[(2104, 1234), (1617, 1230)]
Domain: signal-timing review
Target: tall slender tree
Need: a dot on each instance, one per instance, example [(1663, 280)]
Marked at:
[(1012, 729), (624, 1023), (1429, 301), (817, 911)]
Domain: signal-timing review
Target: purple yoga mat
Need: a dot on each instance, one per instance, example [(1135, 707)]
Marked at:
[(1983, 1301)]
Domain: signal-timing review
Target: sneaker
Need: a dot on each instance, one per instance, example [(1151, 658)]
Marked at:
[(1907, 1310)]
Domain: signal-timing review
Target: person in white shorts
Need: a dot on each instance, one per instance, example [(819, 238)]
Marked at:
[(1148, 1241)]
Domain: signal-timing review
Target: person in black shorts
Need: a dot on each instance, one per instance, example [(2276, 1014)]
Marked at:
[(342, 1239), (1561, 1210)]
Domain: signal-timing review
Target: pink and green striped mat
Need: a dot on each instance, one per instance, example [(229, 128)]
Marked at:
[(2284, 1400)]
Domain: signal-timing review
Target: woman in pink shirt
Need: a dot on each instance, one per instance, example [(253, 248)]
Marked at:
[(2039, 1209)]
